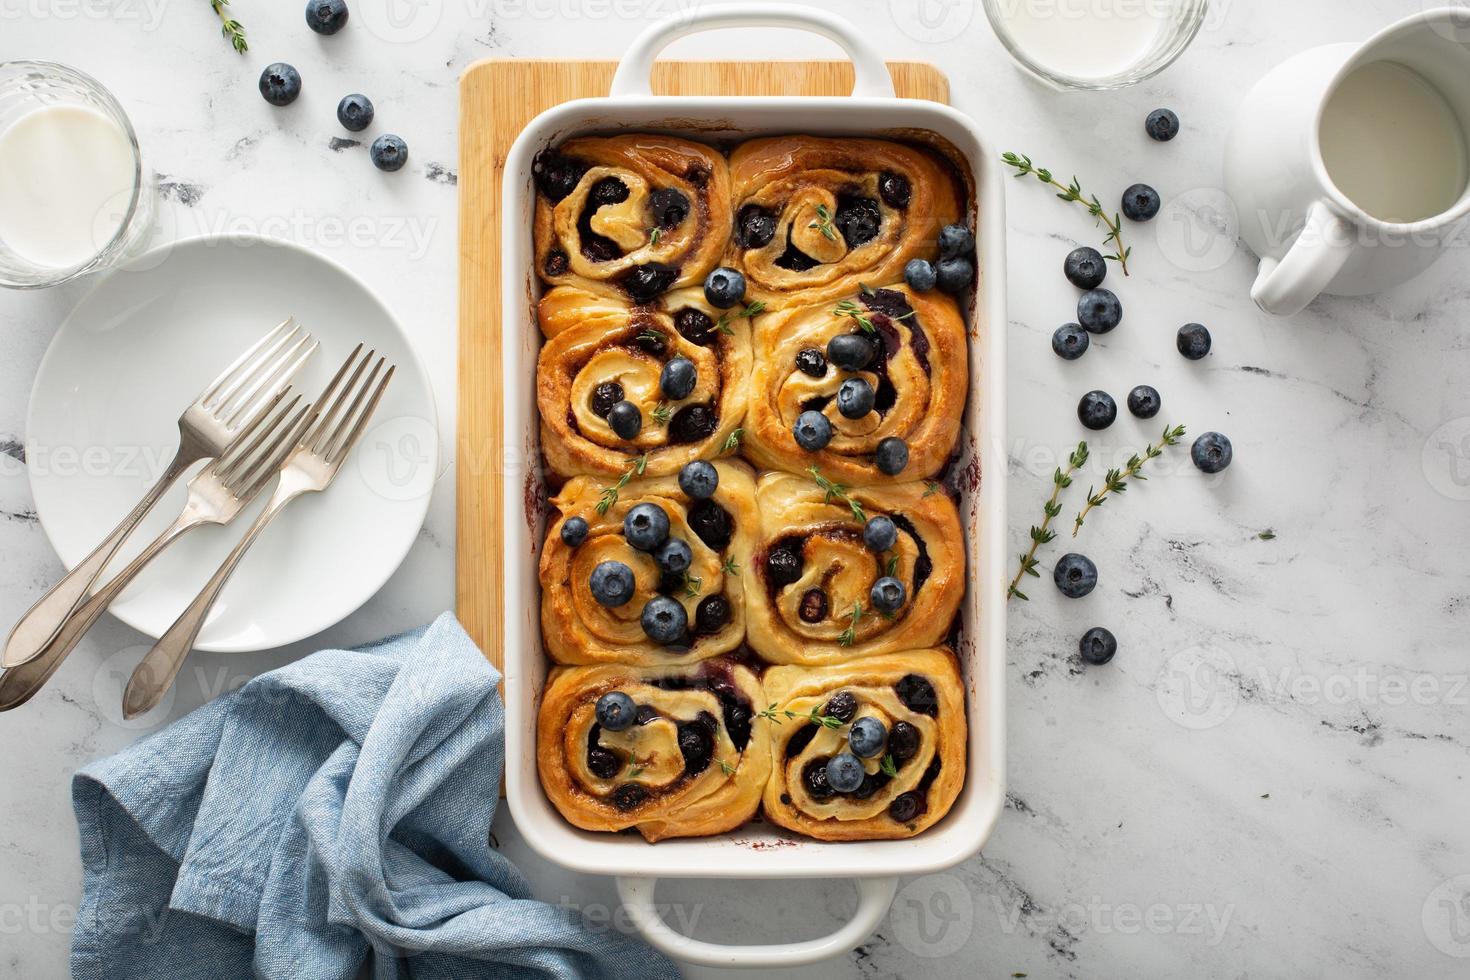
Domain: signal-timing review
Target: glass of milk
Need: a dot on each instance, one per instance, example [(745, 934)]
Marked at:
[(1095, 44), (74, 194)]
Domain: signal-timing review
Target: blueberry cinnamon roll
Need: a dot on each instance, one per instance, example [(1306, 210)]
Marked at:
[(648, 571), (870, 388), (844, 572), (632, 216), (816, 217), (873, 749), (672, 752), (667, 383)]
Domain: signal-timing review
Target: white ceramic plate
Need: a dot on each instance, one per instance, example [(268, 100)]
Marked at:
[(133, 354)]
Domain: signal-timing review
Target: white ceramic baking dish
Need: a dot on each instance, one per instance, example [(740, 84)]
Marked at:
[(759, 850)]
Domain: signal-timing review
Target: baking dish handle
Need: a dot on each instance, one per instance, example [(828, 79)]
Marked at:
[(870, 73), (875, 895)]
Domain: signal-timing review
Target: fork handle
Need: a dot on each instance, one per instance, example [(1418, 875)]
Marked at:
[(42, 622), (155, 674)]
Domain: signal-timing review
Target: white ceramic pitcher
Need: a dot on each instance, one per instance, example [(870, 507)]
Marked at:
[(1311, 236)]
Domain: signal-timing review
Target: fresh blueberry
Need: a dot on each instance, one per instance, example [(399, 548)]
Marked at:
[(712, 613), (811, 362), (389, 152), (625, 420), (887, 594), (1070, 341), (1085, 268), (355, 112), (1211, 452), (955, 241), (891, 456), (1193, 341), (1144, 401), (812, 430), (326, 16), (956, 274), (921, 275), (1097, 410), (783, 566), (616, 711), (724, 287), (574, 531), (1097, 646), (855, 398), (850, 351), (664, 620), (880, 533), (867, 737), (646, 526), (612, 583), (1075, 575), (1099, 310), (1162, 125), (280, 83), (1141, 202), (699, 479), (674, 555), (677, 379), (845, 772)]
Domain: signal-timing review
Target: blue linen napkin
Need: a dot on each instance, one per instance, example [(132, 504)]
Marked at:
[(337, 805)]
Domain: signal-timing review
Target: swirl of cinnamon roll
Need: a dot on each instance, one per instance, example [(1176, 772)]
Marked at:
[(815, 217), (895, 726), (671, 751), (645, 574), (632, 215), (608, 388), (891, 390)]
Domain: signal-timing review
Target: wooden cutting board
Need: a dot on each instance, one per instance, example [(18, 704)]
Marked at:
[(496, 100)]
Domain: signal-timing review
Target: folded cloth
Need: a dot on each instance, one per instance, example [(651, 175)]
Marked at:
[(337, 805)]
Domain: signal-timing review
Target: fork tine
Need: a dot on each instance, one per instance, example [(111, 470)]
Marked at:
[(242, 375), (327, 413), (349, 439), (245, 387), (359, 392), (269, 463), (242, 450), (285, 369), (228, 373)]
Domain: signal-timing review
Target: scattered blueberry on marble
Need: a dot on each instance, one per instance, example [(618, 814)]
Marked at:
[(955, 274), (1097, 410), (1141, 202), (699, 479), (845, 772), (646, 526), (574, 531), (1085, 267), (355, 112), (1097, 646), (280, 84), (677, 379), (1162, 125), (724, 287), (891, 456), (880, 533), (921, 275), (955, 241), (1211, 452), (612, 583), (326, 16), (625, 420), (664, 620), (812, 430), (850, 351), (389, 152), (855, 398), (1193, 341), (1075, 575), (674, 555), (867, 737), (1070, 341), (1144, 401), (887, 594), (616, 711), (811, 362), (1099, 310)]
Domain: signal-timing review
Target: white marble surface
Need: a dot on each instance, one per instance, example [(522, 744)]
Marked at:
[(1270, 778)]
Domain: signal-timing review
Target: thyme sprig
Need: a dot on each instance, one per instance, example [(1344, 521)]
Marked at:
[(230, 28), (769, 714), (753, 309), (889, 766), (653, 336), (726, 768), (849, 635), (732, 443), (653, 235), (1116, 481), (815, 717), (610, 494), (729, 567), (662, 413), (1073, 192), (837, 491), (824, 223), (693, 585), (1042, 533), (850, 309)]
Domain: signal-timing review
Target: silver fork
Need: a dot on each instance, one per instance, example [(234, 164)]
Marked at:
[(217, 494), (232, 402), (311, 468)]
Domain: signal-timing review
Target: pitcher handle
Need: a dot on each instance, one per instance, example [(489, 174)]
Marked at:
[(1285, 286)]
